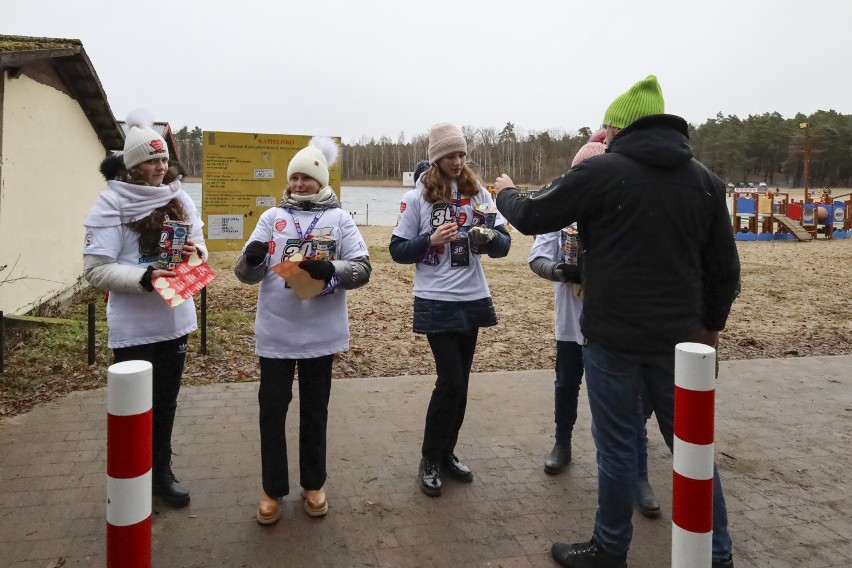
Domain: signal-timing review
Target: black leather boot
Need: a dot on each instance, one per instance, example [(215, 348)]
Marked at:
[(429, 477), (456, 469), (165, 485), (558, 460), (586, 555), (646, 499)]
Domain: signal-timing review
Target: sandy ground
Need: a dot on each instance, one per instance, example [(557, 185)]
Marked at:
[(795, 302)]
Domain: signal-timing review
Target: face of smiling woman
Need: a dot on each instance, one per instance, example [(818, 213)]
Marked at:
[(451, 165), (301, 184)]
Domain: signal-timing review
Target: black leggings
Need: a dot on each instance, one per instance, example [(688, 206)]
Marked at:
[(167, 359), (274, 396), (453, 354)]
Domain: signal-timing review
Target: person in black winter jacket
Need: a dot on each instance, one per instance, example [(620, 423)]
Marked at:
[(660, 268)]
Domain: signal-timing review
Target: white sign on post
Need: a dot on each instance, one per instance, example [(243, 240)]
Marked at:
[(224, 227)]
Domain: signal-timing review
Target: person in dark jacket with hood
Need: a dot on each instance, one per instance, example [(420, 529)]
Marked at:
[(660, 268)]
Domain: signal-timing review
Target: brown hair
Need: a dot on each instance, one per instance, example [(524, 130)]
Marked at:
[(438, 186), (150, 227)]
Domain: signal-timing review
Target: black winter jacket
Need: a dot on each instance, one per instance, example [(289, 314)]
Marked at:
[(660, 259)]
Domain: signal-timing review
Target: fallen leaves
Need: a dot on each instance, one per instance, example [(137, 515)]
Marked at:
[(786, 309)]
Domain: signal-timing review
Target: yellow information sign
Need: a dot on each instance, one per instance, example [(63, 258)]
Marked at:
[(244, 175)]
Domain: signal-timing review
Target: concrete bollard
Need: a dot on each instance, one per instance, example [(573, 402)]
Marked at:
[(128, 510), (692, 484)]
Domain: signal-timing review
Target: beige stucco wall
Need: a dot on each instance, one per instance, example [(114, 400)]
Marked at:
[(48, 181)]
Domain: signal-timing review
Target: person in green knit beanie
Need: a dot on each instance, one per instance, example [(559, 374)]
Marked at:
[(660, 267), (642, 99)]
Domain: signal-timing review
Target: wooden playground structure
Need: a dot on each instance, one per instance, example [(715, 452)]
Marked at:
[(759, 214)]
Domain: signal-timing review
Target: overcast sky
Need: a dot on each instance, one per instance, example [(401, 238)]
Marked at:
[(354, 68)]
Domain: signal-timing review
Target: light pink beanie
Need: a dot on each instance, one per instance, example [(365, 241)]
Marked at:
[(444, 139), (587, 151)]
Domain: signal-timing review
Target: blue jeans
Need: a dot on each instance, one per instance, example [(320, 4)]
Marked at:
[(614, 381), (569, 376)]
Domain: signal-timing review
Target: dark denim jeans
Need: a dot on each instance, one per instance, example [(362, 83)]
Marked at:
[(569, 376), (614, 381)]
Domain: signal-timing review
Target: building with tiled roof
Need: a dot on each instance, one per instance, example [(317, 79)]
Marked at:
[(55, 128)]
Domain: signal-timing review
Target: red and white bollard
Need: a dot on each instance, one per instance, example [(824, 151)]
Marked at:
[(128, 511), (692, 485)]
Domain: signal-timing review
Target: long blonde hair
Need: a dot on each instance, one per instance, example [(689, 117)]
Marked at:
[(438, 188)]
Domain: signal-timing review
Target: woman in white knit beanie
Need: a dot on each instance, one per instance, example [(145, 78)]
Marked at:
[(120, 256), (292, 332)]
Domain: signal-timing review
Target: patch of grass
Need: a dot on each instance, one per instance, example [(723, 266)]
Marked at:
[(379, 253)]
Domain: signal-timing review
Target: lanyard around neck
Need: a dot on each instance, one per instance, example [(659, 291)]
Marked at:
[(454, 206), (310, 227)]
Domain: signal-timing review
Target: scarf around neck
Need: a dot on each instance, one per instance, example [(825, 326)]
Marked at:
[(121, 203), (325, 199)]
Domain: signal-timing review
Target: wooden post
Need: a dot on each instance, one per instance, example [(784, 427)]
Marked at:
[(204, 321), (91, 334), (807, 159), (2, 340)]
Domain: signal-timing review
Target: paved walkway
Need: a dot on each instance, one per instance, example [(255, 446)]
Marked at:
[(784, 429)]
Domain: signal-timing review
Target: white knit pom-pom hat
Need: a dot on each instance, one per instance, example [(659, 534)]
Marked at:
[(142, 142), (315, 159)]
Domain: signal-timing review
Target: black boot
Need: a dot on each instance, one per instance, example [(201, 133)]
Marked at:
[(456, 469), (165, 485), (429, 477), (646, 499), (586, 555), (558, 460)]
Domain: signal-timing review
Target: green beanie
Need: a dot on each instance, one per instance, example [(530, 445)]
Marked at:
[(643, 99)]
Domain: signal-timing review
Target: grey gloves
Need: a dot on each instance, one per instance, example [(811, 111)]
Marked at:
[(480, 235)]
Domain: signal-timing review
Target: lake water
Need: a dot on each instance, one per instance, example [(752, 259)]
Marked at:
[(368, 205)]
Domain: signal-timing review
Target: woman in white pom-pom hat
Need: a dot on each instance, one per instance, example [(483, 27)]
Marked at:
[(120, 255), (290, 332), (437, 232)]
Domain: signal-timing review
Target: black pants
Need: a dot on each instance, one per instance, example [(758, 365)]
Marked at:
[(167, 359), (274, 396), (569, 376), (453, 354)]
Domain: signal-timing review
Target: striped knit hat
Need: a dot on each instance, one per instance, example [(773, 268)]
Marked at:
[(643, 99)]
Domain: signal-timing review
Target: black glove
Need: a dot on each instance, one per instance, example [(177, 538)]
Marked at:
[(145, 281), (256, 252), (568, 273), (318, 269)]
